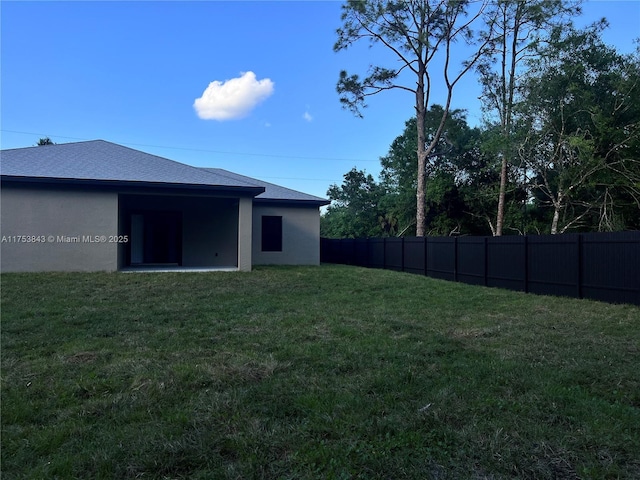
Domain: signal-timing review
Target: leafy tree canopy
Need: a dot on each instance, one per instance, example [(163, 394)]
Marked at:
[(45, 141)]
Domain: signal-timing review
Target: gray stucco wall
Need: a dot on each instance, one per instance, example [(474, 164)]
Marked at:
[(300, 235), (77, 227), (70, 223), (245, 234), (210, 235)]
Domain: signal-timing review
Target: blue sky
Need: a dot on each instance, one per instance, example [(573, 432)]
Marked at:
[(130, 73)]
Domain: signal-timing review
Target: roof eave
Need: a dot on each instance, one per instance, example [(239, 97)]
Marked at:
[(291, 202), (251, 190)]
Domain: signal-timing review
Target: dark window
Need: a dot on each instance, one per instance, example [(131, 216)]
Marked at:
[(271, 234)]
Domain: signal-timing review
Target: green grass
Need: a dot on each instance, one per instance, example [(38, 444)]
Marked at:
[(302, 372)]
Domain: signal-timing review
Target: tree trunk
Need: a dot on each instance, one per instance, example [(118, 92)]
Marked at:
[(420, 193), (557, 206), (421, 221), (507, 94), (554, 222), (501, 196)]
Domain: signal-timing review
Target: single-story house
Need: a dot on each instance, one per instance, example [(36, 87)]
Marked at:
[(99, 206)]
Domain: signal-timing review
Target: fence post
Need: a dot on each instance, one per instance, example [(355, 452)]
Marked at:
[(526, 264), (384, 253), (580, 255), (486, 261), (354, 252), (368, 250), (426, 254), (402, 253), (455, 259)]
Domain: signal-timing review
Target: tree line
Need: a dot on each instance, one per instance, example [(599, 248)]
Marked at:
[(559, 146)]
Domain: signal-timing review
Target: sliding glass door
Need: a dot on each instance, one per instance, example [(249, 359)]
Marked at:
[(156, 238)]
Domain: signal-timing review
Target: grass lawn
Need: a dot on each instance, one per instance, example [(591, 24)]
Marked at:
[(312, 372)]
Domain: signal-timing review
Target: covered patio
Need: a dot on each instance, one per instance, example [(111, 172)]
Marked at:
[(182, 232)]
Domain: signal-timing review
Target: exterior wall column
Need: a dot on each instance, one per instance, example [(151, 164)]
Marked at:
[(245, 220)]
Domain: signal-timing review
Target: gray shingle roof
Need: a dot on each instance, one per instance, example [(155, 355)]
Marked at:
[(103, 161), (272, 191)]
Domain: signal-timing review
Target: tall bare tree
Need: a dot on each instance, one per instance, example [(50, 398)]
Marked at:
[(422, 36)]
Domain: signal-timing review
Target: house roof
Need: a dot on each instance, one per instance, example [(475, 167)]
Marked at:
[(106, 163), (273, 193)]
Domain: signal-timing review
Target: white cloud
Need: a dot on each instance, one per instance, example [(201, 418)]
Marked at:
[(233, 98), (307, 116)]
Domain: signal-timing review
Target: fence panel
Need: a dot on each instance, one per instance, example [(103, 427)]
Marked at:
[(414, 255), (393, 254), (376, 252), (472, 260), (348, 251), (361, 252), (329, 250), (441, 257), (553, 265), (506, 263), (611, 267)]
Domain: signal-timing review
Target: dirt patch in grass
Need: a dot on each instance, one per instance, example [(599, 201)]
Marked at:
[(82, 357)]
